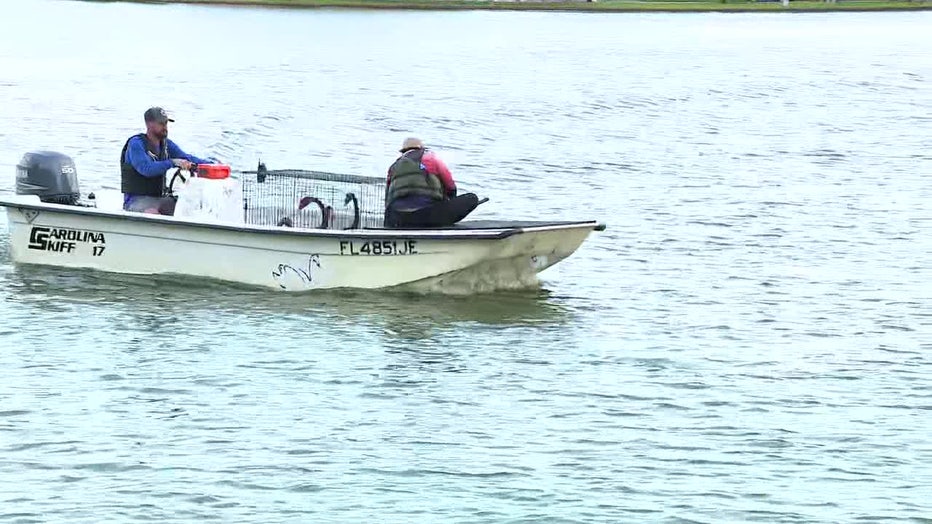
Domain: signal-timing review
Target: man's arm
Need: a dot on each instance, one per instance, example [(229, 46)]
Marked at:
[(139, 158), (175, 152), (435, 166)]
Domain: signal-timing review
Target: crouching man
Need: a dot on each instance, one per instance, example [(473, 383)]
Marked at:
[(421, 192)]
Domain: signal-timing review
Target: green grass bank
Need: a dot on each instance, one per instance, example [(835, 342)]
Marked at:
[(582, 6)]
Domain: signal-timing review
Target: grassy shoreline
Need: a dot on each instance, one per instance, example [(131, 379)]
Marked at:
[(606, 6)]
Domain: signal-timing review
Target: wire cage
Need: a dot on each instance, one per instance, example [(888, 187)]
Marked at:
[(312, 199)]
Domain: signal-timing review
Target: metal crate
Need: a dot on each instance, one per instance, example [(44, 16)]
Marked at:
[(312, 199)]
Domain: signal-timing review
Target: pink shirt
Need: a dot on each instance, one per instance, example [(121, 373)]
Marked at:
[(436, 167)]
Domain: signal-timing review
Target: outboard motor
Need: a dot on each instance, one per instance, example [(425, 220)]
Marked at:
[(50, 175)]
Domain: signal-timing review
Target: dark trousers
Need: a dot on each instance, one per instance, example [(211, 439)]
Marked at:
[(439, 214), (150, 204)]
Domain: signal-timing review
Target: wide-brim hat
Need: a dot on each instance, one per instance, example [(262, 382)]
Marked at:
[(411, 143)]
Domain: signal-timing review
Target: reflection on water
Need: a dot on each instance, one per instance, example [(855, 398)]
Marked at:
[(407, 315)]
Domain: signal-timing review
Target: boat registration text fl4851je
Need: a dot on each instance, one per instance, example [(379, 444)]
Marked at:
[(379, 247)]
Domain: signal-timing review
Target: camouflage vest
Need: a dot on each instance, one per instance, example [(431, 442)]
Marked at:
[(409, 177)]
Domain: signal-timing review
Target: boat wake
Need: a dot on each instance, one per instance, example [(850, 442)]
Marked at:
[(511, 274)]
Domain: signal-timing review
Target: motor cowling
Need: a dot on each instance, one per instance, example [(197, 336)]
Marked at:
[(49, 175)]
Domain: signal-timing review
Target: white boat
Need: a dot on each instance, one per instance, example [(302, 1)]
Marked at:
[(228, 242)]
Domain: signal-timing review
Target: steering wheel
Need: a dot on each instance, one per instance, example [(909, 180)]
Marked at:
[(178, 170)]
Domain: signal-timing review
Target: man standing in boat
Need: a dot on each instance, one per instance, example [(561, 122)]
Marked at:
[(421, 192), (145, 159)]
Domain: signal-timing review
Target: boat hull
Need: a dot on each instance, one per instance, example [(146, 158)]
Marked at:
[(460, 259)]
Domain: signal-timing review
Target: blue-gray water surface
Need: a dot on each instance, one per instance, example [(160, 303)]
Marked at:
[(747, 341)]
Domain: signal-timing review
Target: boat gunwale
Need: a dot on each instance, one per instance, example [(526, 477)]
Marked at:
[(455, 233)]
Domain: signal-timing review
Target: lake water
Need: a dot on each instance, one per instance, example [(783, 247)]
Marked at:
[(748, 340)]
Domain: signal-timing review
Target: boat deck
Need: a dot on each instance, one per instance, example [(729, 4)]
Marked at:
[(475, 229), (493, 224)]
